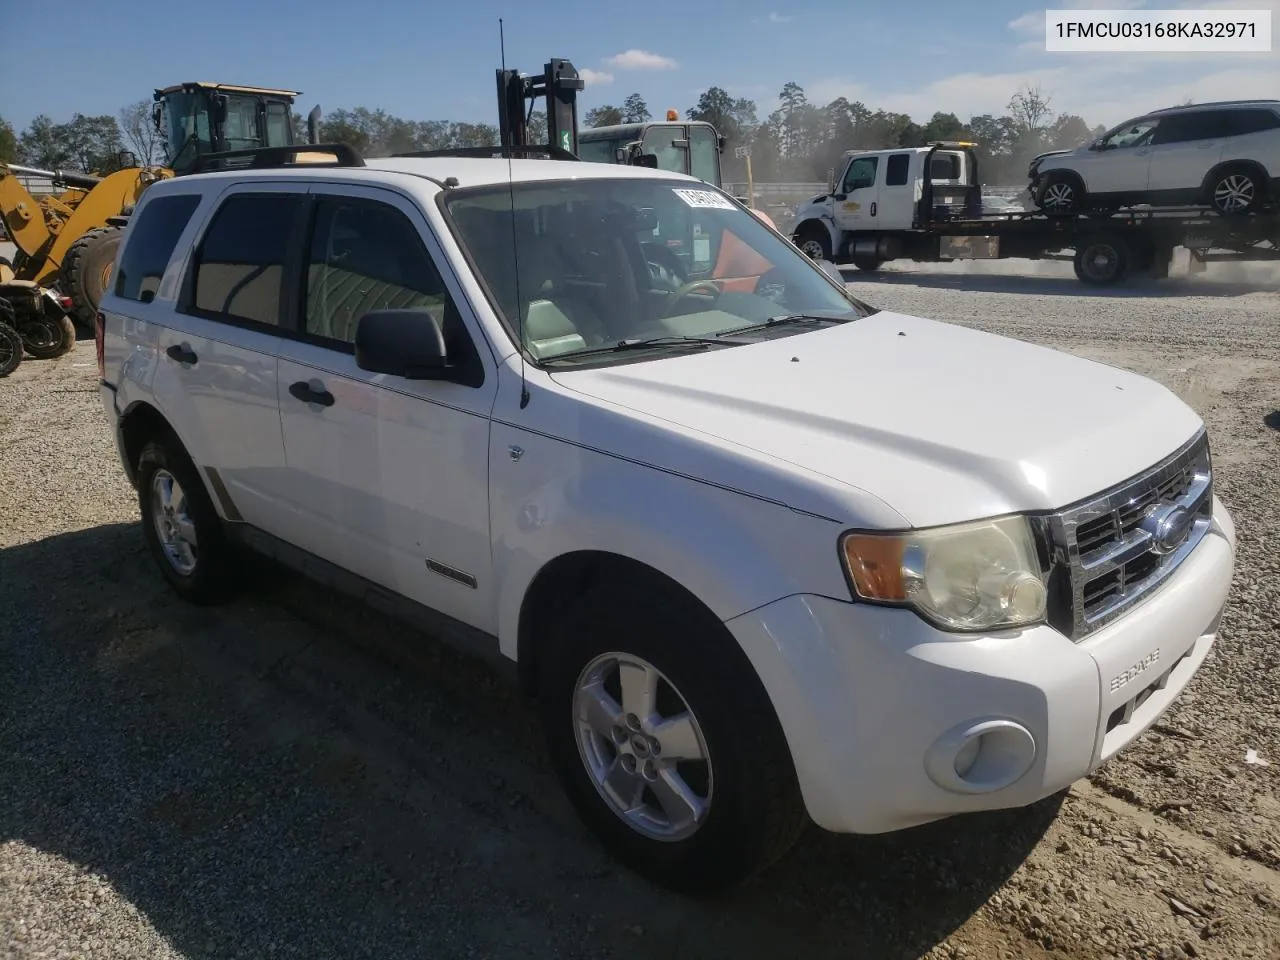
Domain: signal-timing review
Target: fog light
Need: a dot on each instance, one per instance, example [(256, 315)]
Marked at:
[(981, 756)]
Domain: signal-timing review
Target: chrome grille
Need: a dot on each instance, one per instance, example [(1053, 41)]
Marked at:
[(1114, 549)]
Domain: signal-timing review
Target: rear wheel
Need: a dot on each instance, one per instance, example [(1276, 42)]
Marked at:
[(1102, 261), (665, 741), (181, 528), (1236, 191), (86, 272)]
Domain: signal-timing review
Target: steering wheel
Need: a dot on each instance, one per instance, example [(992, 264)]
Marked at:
[(658, 255), (686, 289), (772, 285)]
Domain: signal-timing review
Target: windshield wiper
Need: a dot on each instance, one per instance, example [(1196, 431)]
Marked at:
[(698, 343), (780, 321)]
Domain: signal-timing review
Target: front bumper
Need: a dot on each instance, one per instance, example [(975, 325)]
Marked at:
[(875, 703)]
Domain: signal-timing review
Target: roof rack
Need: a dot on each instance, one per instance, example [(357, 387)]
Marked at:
[(497, 152), (263, 158)]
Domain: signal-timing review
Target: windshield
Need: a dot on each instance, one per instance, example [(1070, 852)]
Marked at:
[(600, 263), (600, 151), (187, 131)]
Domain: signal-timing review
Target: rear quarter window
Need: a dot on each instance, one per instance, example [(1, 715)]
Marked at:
[(151, 237)]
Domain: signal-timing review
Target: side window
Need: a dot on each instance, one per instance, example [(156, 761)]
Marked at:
[(365, 255), (895, 174), (1253, 120), (152, 237), (1190, 126), (704, 155), (861, 173), (278, 121), (240, 264), (1135, 133), (661, 141)]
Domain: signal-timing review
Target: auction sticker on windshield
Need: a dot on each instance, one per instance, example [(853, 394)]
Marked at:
[(704, 198)]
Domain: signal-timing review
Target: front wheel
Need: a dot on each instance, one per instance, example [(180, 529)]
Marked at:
[(815, 244), (1061, 195), (666, 743), (1102, 261)]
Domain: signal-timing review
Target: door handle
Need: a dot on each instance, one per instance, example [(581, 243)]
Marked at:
[(873, 209), (307, 394), (182, 353)]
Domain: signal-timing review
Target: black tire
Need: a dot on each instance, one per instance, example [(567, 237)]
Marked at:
[(814, 243), (10, 349), (212, 575), (1060, 195), (86, 269), (1236, 191), (867, 264), (1102, 261), (47, 337), (755, 812)]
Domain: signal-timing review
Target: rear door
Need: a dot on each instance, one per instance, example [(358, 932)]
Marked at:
[(390, 476), (898, 196), (858, 193), (217, 357), (1184, 148)]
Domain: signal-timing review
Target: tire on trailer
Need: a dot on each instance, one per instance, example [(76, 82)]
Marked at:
[(1103, 260), (1235, 190), (814, 242), (698, 825), (86, 271), (1062, 194), (47, 337)]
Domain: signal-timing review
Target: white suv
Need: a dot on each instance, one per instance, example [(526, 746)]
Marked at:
[(763, 554), (1224, 155)]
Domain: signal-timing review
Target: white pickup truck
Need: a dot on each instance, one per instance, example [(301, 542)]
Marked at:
[(764, 555)]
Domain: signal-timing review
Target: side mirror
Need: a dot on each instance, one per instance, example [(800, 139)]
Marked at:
[(620, 155), (406, 343), (649, 160)]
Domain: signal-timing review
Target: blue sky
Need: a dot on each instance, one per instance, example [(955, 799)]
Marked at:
[(435, 60)]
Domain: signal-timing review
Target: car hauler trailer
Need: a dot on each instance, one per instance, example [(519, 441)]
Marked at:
[(925, 204)]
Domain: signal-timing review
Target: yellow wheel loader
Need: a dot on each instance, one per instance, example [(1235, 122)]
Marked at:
[(69, 238)]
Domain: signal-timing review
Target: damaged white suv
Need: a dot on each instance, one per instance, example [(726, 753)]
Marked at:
[(764, 555)]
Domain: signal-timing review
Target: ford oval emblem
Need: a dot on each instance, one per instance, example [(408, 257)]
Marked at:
[(1169, 525)]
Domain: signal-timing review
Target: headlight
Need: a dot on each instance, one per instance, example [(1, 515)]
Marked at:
[(971, 576)]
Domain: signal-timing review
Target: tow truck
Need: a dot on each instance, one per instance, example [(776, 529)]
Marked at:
[(925, 204)]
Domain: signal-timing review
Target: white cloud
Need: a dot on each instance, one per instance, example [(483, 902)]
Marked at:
[(778, 18), (1107, 91), (595, 78), (640, 60)]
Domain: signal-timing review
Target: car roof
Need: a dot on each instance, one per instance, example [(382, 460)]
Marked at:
[(467, 171), (1214, 105)]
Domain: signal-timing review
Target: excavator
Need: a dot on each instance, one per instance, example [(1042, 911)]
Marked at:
[(69, 238)]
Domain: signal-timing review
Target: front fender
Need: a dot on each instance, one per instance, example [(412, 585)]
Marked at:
[(733, 551)]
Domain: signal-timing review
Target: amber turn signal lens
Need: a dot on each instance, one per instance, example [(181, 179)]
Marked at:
[(875, 564)]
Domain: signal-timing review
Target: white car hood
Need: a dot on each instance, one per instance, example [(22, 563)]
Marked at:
[(941, 422)]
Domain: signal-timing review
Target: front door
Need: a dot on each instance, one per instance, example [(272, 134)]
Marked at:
[(390, 476), (858, 194), (1121, 165)]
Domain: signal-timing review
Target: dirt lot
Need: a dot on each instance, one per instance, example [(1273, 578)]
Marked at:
[(294, 776)]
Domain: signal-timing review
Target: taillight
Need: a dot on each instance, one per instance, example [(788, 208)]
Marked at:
[(99, 322), (65, 303)]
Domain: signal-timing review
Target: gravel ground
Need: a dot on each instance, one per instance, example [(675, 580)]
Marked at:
[(293, 775)]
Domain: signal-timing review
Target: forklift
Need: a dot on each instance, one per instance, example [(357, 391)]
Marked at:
[(691, 147)]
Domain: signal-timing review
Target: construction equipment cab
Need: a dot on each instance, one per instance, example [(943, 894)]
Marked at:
[(877, 199), (199, 118), (691, 147)]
